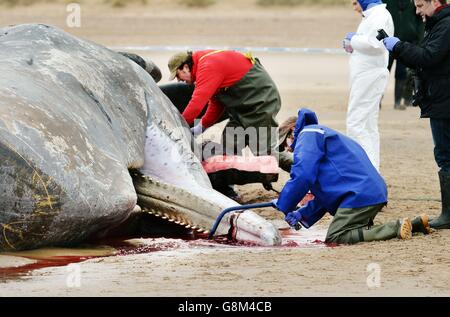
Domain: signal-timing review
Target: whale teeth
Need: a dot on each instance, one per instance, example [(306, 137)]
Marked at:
[(173, 217), (148, 211)]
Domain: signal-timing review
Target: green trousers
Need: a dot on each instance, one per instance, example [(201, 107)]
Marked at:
[(353, 225), (285, 159), (252, 105)]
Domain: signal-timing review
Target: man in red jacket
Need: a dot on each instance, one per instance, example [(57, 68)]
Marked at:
[(234, 84)]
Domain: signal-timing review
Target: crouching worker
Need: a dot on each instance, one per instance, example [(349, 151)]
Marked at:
[(344, 182)]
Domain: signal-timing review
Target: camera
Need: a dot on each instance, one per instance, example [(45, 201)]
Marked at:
[(381, 34)]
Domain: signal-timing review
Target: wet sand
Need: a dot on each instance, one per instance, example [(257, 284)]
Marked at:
[(418, 267)]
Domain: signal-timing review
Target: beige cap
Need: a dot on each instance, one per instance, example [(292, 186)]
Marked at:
[(285, 129), (175, 62)]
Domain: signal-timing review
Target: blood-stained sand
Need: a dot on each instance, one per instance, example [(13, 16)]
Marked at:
[(416, 267)]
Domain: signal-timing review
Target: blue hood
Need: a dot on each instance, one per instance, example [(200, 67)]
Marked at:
[(365, 3), (305, 117)]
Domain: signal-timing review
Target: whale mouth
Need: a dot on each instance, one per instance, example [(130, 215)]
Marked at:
[(197, 210)]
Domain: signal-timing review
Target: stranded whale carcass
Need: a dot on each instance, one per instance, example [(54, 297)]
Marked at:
[(74, 118)]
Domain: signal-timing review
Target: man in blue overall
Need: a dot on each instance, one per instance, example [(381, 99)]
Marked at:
[(344, 183)]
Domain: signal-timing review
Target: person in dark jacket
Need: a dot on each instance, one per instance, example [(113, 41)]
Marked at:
[(431, 62), (339, 174), (408, 26)]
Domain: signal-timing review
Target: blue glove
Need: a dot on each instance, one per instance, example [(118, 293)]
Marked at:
[(349, 36), (197, 130), (390, 42), (275, 204), (346, 42), (293, 218)]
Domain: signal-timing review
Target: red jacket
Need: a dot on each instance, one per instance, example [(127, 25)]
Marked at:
[(211, 71)]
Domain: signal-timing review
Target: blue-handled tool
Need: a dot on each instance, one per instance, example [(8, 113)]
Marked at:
[(235, 208)]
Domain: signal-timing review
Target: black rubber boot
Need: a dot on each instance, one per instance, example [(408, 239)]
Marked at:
[(408, 89), (231, 193), (443, 221), (421, 224), (228, 190), (398, 92)]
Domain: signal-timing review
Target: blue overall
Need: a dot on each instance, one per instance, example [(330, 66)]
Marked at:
[(339, 174)]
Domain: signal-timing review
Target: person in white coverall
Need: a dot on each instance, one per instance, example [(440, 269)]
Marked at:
[(368, 75)]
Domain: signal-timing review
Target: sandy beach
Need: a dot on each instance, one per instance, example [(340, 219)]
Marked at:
[(319, 81)]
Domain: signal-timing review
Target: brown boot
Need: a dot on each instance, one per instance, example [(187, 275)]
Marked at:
[(421, 224), (405, 230)]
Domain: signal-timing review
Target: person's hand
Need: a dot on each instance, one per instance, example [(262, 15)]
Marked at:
[(293, 218), (197, 130), (390, 42), (347, 46), (346, 42)]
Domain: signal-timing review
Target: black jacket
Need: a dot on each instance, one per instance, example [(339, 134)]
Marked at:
[(431, 60)]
